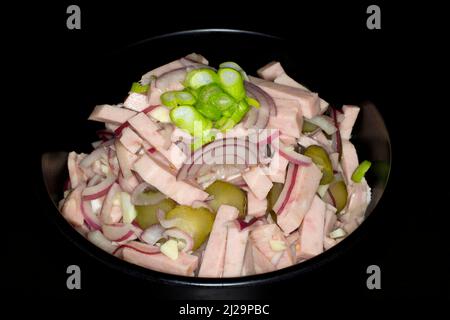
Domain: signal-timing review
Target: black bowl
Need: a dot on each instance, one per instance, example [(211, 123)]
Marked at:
[(107, 78)]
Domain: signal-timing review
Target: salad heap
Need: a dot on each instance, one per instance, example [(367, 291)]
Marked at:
[(212, 173)]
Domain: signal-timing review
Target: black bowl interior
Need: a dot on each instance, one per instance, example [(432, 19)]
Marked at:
[(107, 78)]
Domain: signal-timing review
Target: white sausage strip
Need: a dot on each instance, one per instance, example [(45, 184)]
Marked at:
[(311, 230), (235, 251), (309, 102), (184, 265), (306, 184), (159, 177), (111, 114), (214, 256)]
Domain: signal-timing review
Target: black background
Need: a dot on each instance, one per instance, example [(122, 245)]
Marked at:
[(407, 240)]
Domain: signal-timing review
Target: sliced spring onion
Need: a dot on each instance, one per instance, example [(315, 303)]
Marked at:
[(172, 99), (184, 98), (198, 143), (235, 66), (325, 123), (194, 92), (209, 111), (252, 102), (212, 101), (228, 112), (208, 136), (139, 88), (204, 106), (221, 101), (232, 82), (205, 92), (169, 99), (240, 112), (361, 170), (190, 119), (230, 64), (338, 233), (226, 123), (199, 77)]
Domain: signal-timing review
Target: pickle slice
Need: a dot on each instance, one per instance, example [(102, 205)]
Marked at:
[(146, 215), (227, 193), (197, 222), (320, 157)]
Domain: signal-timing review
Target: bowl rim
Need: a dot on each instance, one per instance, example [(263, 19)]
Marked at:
[(159, 277)]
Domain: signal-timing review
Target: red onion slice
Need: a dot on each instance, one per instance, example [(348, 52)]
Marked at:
[(325, 123), (92, 157), (337, 136), (100, 189), (274, 135), (152, 234), (94, 180), (95, 169), (234, 148), (235, 156), (97, 238), (221, 143), (138, 197), (180, 235), (125, 159), (139, 247), (285, 194), (267, 106), (167, 223), (130, 235), (242, 224), (250, 118), (106, 214), (120, 232), (294, 157), (113, 162), (89, 217)]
